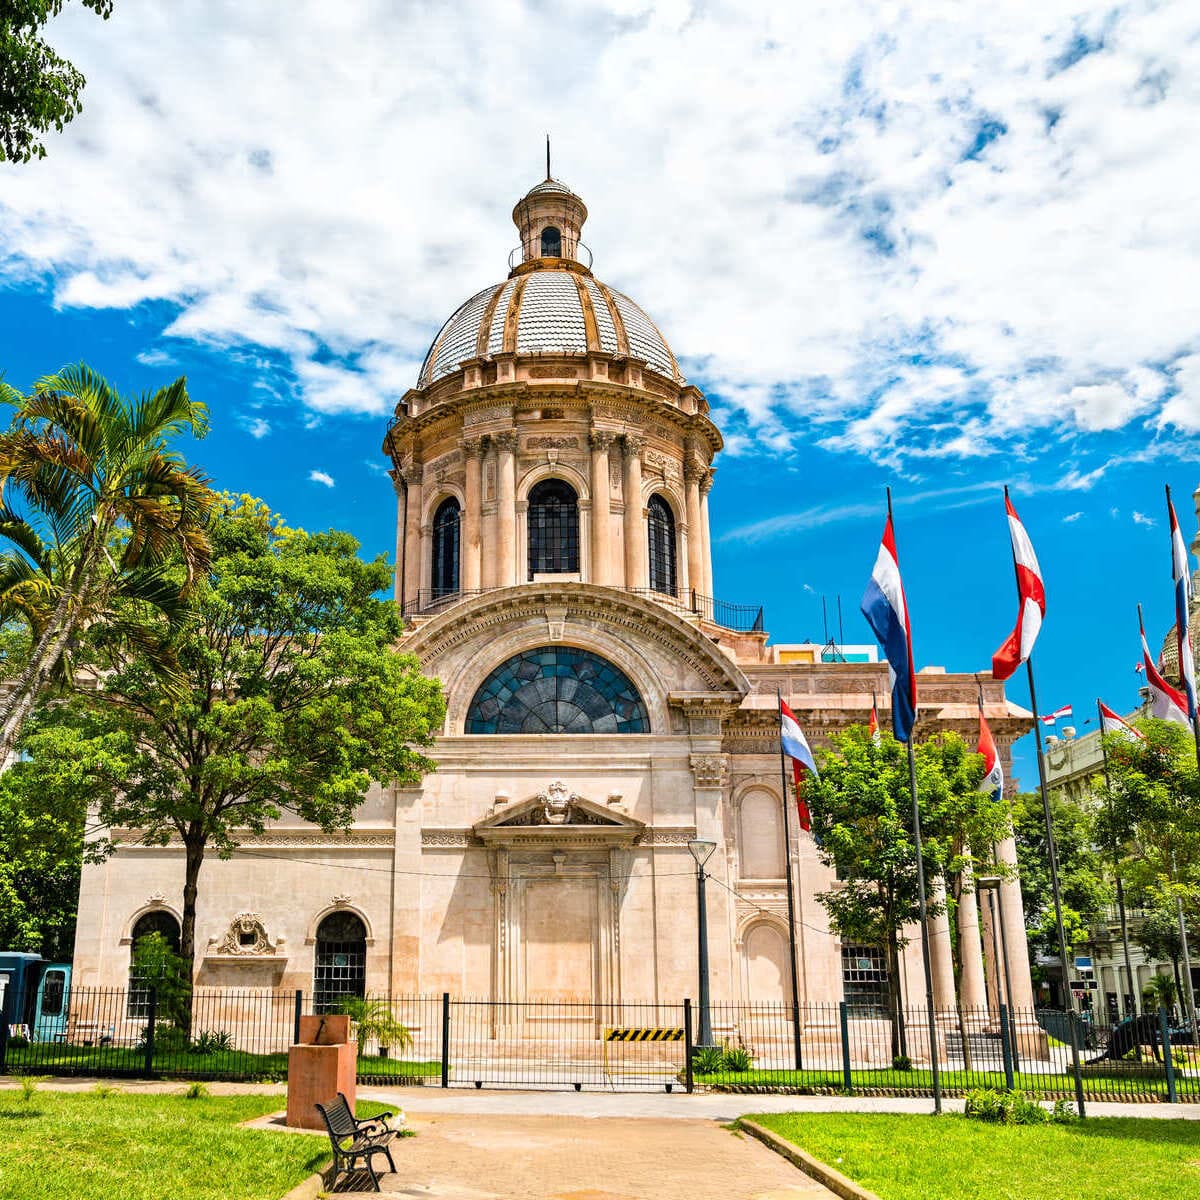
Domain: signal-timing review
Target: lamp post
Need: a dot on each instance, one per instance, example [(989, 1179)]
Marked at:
[(702, 851)]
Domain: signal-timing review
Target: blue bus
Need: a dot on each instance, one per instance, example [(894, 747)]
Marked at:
[(34, 996)]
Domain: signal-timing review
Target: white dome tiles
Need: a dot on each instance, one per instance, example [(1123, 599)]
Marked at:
[(550, 320)]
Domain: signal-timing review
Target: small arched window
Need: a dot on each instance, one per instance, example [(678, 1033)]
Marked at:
[(661, 533), (553, 528), (167, 927), (446, 522), (340, 966), (551, 242)]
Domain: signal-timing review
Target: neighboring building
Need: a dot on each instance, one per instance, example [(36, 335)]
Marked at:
[(552, 472)]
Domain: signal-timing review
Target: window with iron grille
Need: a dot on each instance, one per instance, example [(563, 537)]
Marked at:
[(551, 242), (340, 966), (865, 979), (137, 1006), (446, 523), (553, 528), (660, 525)]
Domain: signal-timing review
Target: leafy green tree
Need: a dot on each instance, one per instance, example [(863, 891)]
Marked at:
[(293, 700), (97, 512), (154, 964), (1083, 871), (38, 88), (1157, 933), (862, 820)]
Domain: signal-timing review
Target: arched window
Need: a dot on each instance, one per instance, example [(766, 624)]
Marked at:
[(553, 528), (161, 922), (446, 523), (660, 524), (556, 689), (551, 242), (340, 967)]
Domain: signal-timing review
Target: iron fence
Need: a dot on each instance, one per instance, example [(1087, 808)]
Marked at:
[(455, 1042)]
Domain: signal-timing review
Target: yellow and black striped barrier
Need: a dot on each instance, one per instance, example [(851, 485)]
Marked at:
[(641, 1033), (615, 1035)]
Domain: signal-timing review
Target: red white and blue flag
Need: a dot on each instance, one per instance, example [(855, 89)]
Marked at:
[(1111, 723), (873, 723), (796, 747), (1183, 595), (1059, 714), (993, 772), (1032, 593), (886, 610), (1166, 702)]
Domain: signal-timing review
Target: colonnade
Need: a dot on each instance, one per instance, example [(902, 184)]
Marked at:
[(612, 528)]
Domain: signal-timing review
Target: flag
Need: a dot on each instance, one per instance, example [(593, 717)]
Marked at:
[(1032, 595), (873, 723), (1183, 594), (795, 746), (1111, 723), (1059, 714), (1166, 702), (993, 773), (886, 610)]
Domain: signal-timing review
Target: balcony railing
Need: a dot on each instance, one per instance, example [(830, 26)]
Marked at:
[(739, 618), (578, 252)]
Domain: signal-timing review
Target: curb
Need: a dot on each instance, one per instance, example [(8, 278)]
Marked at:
[(310, 1188), (835, 1181)]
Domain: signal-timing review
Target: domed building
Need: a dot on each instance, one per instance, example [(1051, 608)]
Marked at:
[(553, 470)]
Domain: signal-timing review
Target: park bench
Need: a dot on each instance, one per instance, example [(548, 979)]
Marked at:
[(356, 1141)]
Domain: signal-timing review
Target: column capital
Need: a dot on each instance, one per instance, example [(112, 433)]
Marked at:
[(632, 444), (706, 481), (693, 470), (397, 481), (413, 474), (505, 440), (472, 447), (601, 439)]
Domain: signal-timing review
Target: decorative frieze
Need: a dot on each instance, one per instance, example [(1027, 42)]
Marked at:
[(708, 769), (552, 443)]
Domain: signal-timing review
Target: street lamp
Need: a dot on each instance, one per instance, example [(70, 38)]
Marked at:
[(702, 851)]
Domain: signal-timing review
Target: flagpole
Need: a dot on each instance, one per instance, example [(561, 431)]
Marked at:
[(1137, 1010), (925, 950), (1187, 630), (791, 899)]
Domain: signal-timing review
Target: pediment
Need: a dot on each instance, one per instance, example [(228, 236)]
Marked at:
[(558, 812)]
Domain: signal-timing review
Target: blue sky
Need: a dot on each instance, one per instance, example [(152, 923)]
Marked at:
[(942, 248)]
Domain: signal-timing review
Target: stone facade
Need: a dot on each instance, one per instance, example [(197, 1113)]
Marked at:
[(538, 864)]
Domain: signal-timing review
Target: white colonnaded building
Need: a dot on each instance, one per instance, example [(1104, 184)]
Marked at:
[(552, 471)]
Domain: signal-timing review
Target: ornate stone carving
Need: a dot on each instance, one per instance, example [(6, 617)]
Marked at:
[(556, 620), (451, 839), (547, 371), (413, 474), (341, 901), (632, 444), (552, 443), (505, 440), (483, 415), (246, 937), (693, 470), (472, 447), (706, 481), (156, 900), (668, 836), (708, 769), (601, 439)]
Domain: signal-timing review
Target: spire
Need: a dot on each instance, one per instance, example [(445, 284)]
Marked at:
[(548, 175)]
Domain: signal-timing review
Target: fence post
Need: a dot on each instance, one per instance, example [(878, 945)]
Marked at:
[(152, 1021), (1006, 1047), (296, 1017), (687, 1046), (1076, 1046), (844, 1020), (445, 1039), (1012, 1040), (1168, 1061)]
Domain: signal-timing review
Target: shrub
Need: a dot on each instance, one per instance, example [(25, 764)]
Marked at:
[(737, 1058), (29, 1085), (1063, 1112), (372, 1018), (986, 1104), (168, 1038), (212, 1042), (196, 1091), (708, 1060), (1000, 1107), (901, 1063)]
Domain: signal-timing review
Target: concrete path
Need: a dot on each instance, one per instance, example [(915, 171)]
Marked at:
[(556, 1158)]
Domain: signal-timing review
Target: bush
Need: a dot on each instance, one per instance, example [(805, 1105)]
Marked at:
[(901, 1063), (1000, 1107), (29, 1085), (168, 1038), (212, 1042), (196, 1091), (708, 1060), (737, 1058)]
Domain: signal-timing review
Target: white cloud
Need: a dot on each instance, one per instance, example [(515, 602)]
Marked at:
[(1070, 518), (155, 357), (919, 232), (321, 477), (257, 427), (1140, 518)]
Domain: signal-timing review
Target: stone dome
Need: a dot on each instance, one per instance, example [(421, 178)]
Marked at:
[(550, 303)]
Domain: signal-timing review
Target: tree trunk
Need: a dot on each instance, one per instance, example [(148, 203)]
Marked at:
[(895, 999), (193, 860)]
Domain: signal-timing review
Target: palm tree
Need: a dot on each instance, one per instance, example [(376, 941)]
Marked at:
[(99, 516)]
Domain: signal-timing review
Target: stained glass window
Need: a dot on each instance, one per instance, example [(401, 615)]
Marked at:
[(660, 524), (445, 548), (340, 967), (556, 689), (553, 528)]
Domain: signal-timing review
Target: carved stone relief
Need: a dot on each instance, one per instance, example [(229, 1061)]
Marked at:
[(245, 937)]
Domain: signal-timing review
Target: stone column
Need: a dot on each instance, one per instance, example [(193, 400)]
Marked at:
[(1013, 918), (636, 575), (941, 955), (487, 515), (398, 578), (601, 507), (506, 508), (692, 473), (706, 540), (413, 475), (472, 450), (972, 987)]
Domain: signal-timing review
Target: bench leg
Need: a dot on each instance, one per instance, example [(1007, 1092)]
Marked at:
[(388, 1152), (371, 1169)]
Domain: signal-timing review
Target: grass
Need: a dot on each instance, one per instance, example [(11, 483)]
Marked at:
[(51, 1058), (1113, 1082), (954, 1158), (89, 1146)]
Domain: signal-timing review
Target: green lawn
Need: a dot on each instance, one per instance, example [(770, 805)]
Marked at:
[(54, 1059), (953, 1158), (84, 1146), (1112, 1083)]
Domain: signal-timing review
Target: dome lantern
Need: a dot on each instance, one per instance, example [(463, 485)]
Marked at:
[(549, 218)]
